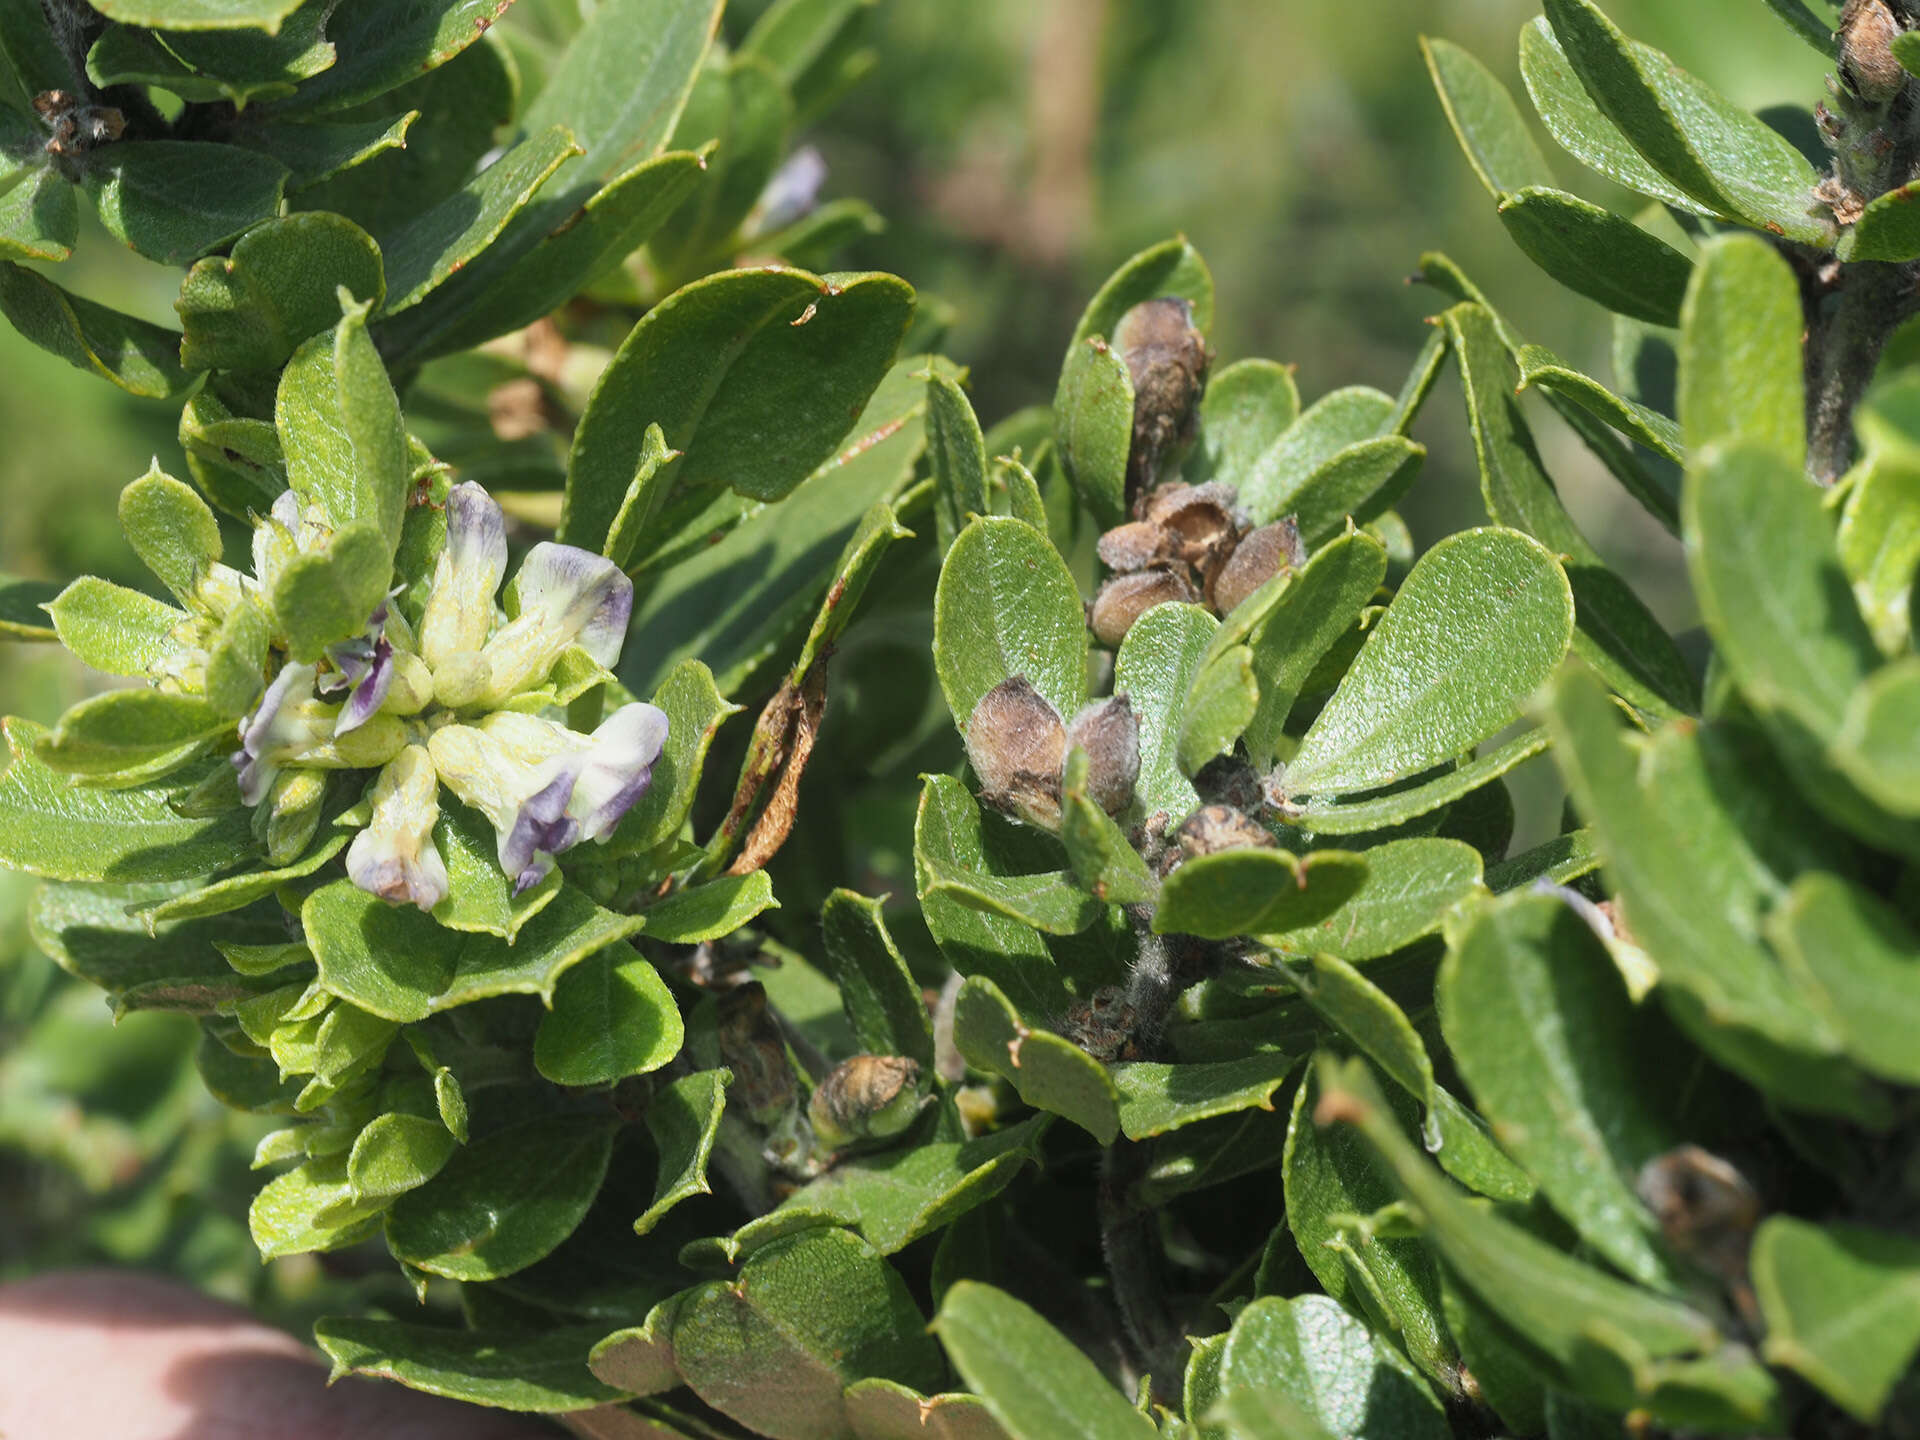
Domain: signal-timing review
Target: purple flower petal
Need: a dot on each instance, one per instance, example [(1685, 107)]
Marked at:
[(541, 829), (459, 609), (369, 690), (793, 191), (272, 725), (618, 769), (576, 596)]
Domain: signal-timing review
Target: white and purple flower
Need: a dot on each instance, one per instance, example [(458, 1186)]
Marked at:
[(394, 857)]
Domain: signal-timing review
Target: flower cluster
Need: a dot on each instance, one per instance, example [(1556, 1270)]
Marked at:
[(455, 701)]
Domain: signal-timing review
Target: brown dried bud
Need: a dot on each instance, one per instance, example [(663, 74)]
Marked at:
[(1103, 1025), (1214, 828), (1135, 546), (752, 1047), (77, 127), (868, 1097), (1705, 1207), (1125, 598), (1167, 359), (1110, 735), (1199, 517), (1016, 743), (1867, 32), (1258, 557)]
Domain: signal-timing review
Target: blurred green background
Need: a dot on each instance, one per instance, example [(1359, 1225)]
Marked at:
[(1019, 149)]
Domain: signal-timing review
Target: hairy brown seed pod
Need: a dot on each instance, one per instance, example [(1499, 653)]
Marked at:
[(1867, 31), (1167, 359), (1016, 743), (1135, 546), (1125, 598), (1260, 555), (1705, 1207), (1109, 733), (865, 1097), (1214, 828), (1198, 517)]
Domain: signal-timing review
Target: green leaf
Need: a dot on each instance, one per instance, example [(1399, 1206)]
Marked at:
[(1246, 408), (489, 297), (623, 81), (1158, 663), (611, 1018), (1565, 1308), (1093, 427), (1256, 892), (695, 710), (480, 898), (709, 911), (1639, 423), (172, 531), (266, 15), (127, 737), (504, 1201), (436, 243), (327, 595), (544, 1372), (817, 48), (1721, 156), (250, 310), (807, 1315), (1332, 1176), (339, 421), (383, 45), (814, 555), (1354, 486), (1657, 815), (1328, 426), (1842, 1307), (958, 453), (550, 943), (1541, 1026), (1409, 889), (310, 1208), (1880, 532), (1862, 961), (1099, 853), (174, 200), (396, 1153), (1481, 622), (1617, 633), (767, 402), (1598, 254), (1397, 807), (390, 960), (87, 931), (1874, 748), (899, 1196), (879, 993), (114, 629), (1036, 1382), (1157, 1099), (39, 216), (52, 829), (1740, 362), (744, 108), (237, 658), (1887, 230), (1051, 902), (1485, 120), (950, 836), (1318, 606), (1006, 606), (1050, 1073), (316, 153), (1218, 709), (1322, 1359), (683, 1117), (140, 358), (1804, 23), (882, 1410)]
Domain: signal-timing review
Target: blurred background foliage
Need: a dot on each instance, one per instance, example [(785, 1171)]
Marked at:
[(1018, 156)]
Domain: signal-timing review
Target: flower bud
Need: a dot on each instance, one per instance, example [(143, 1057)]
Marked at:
[(394, 857), (1016, 744), (461, 679), (566, 596), (1125, 598), (1109, 733), (1214, 828), (1135, 546), (1260, 555), (459, 609), (868, 1097), (1167, 360), (292, 813), (1867, 32), (411, 690)]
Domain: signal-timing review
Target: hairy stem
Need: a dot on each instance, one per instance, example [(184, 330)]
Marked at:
[(1131, 1247), (1847, 328)]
